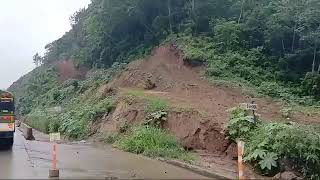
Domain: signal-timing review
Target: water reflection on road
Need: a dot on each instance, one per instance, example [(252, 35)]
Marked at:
[(14, 163), (32, 159)]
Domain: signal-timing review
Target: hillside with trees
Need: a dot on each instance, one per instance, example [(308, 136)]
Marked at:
[(278, 39), (265, 48)]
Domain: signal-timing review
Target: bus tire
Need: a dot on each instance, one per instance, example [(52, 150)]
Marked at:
[(10, 142)]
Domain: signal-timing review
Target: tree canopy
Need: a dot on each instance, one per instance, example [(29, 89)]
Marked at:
[(287, 32)]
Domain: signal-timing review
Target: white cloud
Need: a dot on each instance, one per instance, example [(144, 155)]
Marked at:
[(26, 26)]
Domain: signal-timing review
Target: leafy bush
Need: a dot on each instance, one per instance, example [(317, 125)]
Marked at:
[(77, 120), (226, 61), (152, 142), (240, 123), (156, 119), (299, 143), (311, 85), (272, 89), (228, 34), (43, 121), (38, 120), (104, 106), (286, 112), (54, 124), (269, 144)]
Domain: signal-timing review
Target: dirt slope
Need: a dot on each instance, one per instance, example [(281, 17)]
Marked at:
[(165, 74), (199, 110), (183, 86)]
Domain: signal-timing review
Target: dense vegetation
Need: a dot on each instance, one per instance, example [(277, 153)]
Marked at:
[(70, 107), (269, 45), (274, 147), (259, 41)]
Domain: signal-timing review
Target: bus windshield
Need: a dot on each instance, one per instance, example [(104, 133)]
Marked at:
[(6, 106)]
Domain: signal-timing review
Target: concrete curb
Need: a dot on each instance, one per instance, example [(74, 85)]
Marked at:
[(195, 169), (26, 131)]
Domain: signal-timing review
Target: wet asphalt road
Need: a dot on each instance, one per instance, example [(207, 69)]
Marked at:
[(32, 159)]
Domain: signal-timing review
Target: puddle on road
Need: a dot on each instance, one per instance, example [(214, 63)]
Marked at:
[(77, 172), (43, 165)]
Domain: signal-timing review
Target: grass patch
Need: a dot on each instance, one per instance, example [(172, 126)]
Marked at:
[(235, 83), (153, 142), (135, 93), (156, 104)]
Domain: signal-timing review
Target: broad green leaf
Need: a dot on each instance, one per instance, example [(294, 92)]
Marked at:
[(259, 153), (268, 161)]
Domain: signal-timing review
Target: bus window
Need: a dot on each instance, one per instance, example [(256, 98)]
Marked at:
[(6, 106)]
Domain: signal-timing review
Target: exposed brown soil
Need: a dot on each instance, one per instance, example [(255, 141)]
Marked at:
[(184, 86), (199, 109), (67, 70)]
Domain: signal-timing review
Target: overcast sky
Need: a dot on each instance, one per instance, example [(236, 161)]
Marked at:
[(26, 26)]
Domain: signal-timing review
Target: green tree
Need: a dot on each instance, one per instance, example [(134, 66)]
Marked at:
[(37, 59), (228, 35)]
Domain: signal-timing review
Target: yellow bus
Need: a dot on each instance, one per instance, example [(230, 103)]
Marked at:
[(7, 118)]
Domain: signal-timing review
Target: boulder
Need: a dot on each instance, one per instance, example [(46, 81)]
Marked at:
[(287, 175)]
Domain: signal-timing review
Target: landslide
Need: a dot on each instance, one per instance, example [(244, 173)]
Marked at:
[(197, 113), (198, 110)]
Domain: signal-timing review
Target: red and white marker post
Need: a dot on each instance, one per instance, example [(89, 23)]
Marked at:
[(54, 172), (240, 159), (54, 156)]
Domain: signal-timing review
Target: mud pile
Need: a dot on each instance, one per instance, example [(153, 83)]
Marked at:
[(199, 110)]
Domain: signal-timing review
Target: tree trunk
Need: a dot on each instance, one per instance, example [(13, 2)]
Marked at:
[(283, 47), (106, 4), (193, 6), (169, 14), (314, 59), (241, 12), (294, 37), (194, 15), (319, 69)]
